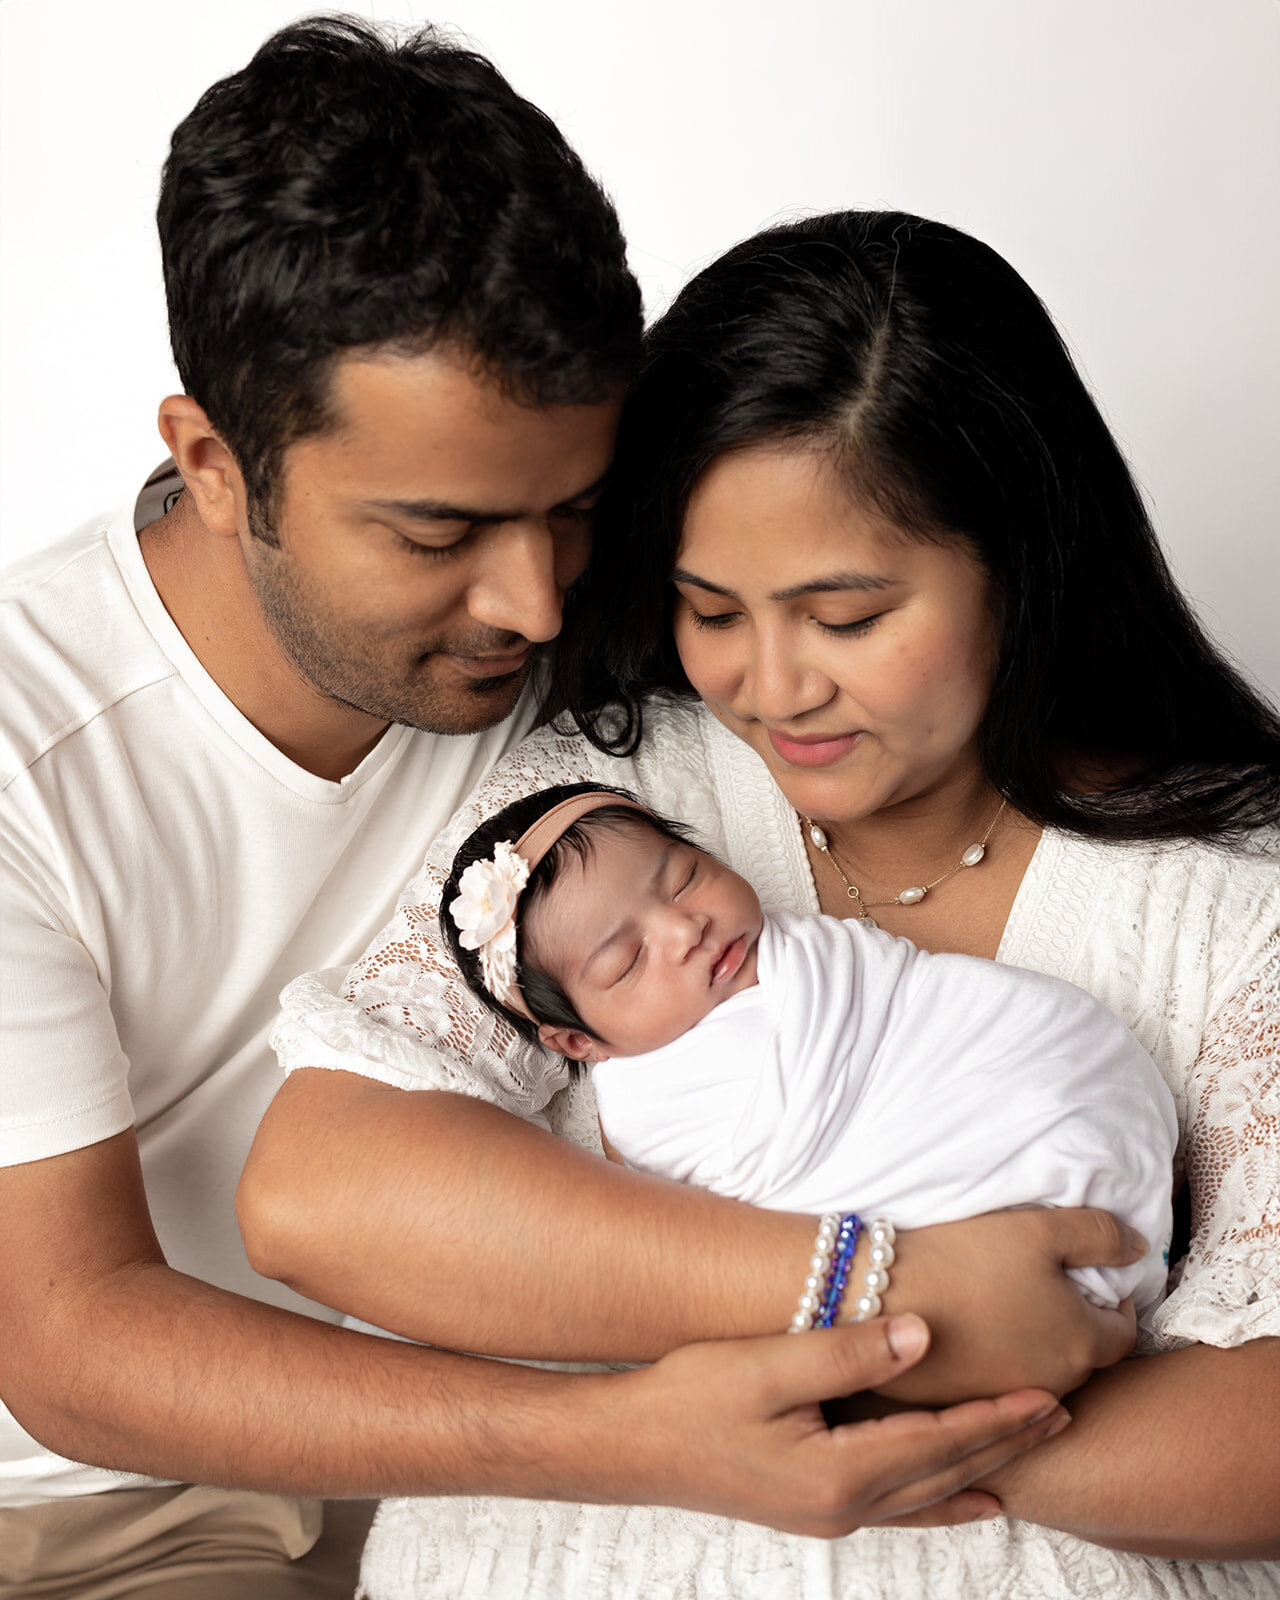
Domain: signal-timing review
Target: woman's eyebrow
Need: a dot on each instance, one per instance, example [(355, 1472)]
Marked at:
[(835, 582)]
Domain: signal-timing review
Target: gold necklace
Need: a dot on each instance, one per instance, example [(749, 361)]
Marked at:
[(972, 855)]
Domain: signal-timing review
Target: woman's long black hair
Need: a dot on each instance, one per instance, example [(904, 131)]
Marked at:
[(936, 378)]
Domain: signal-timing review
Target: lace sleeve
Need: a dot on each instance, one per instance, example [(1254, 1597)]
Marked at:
[(1227, 1289), (402, 1014)]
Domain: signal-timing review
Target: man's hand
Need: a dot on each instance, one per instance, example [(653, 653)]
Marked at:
[(752, 1442), (1002, 1311), (108, 1355)]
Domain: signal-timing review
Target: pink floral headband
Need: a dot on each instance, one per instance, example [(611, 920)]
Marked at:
[(484, 912)]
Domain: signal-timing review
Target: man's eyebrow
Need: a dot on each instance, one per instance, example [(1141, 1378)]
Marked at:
[(655, 878), (443, 511), (833, 583)]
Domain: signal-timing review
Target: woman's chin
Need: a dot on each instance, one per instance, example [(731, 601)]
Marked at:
[(864, 782), (845, 789), (838, 793)]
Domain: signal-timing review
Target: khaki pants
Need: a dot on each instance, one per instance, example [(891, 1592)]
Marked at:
[(184, 1543)]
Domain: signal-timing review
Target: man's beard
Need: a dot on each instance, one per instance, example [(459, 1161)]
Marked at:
[(337, 661)]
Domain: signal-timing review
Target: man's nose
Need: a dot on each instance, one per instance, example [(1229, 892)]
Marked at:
[(521, 588)]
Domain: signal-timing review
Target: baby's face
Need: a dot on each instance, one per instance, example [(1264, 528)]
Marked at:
[(645, 936)]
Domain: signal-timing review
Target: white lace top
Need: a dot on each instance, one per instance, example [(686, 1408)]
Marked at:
[(1181, 941)]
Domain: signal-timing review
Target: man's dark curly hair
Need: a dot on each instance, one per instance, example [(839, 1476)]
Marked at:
[(351, 189)]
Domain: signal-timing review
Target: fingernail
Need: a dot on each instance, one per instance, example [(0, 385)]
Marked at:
[(1058, 1424), (1136, 1241), (907, 1336)]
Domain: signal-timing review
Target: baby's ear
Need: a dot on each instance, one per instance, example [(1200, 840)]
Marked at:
[(571, 1042)]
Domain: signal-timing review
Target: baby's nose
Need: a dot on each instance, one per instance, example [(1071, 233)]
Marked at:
[(688, 929)]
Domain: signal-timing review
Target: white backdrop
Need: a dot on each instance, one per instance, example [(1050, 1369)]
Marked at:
[(1124, 154)]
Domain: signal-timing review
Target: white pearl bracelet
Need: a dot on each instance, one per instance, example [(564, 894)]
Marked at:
[(815, 1282), (875, 1281)]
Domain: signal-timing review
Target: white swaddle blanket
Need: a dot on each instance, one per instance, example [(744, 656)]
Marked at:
[(860, 1073)]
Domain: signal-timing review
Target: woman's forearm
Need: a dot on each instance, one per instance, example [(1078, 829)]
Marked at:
[(439, 1217), (1173, 1455), (442, 1218)]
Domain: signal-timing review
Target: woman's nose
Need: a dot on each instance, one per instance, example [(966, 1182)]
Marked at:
[(778, 684)]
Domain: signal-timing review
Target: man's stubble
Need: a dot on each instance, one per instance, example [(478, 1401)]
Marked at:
[(405, 681)]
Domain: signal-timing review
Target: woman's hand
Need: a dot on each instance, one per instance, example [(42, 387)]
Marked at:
[(754, 1443), (1002, 1311)]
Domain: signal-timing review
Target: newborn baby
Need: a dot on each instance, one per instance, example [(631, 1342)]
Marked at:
[(804, 1062)]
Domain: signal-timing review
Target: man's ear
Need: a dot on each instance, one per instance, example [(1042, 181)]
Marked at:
[(208, 468), (571, 1042)]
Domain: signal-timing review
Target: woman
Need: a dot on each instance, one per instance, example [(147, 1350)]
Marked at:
[(874, 585)]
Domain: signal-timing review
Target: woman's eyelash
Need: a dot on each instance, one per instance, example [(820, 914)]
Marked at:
[(846, 630), (842, 630)]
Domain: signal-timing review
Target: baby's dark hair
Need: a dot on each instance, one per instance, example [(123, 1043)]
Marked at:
[(542, 994)]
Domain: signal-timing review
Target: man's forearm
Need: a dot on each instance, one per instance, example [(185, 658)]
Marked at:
[(155, 1372), (158, 1373), (1170, 1455), (109, 1356)]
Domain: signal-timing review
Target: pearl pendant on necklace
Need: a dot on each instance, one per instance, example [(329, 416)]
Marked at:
[(906, 897)]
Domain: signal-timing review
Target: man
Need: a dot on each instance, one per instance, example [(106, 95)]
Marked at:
[(403, 319)]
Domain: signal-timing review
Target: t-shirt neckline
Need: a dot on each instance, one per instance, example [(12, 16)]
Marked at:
[(122, 539)]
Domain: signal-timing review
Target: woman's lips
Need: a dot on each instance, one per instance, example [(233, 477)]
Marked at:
[(814, 752)]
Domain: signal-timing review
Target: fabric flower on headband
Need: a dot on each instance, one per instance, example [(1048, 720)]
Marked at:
[(485, 914)]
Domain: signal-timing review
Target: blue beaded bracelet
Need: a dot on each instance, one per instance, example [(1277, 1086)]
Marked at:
[(846, 1244), (824, 1287)]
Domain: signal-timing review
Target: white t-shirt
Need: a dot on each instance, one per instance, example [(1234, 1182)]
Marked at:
[(164, 872), (862, 1073)]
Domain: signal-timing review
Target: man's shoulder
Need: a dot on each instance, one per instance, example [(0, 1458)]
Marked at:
[(74, 644)]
